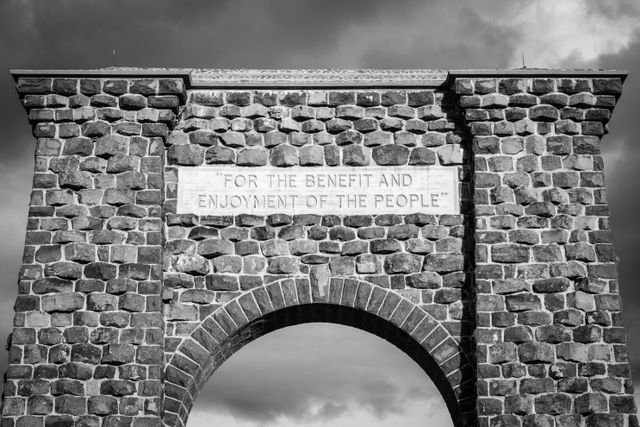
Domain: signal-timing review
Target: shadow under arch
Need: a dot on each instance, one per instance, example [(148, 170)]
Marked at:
[(348, 302)]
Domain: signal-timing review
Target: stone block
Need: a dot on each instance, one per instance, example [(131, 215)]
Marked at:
[(523, 302), (100, 270), (419, 246), (385, 246), (390, 155), (102, 405), (274, 247), (357, 221), (551, 285), (192, 264), (312, 155), (444, 263), (349, 112), (342, 234), (536, 352), (424, 280), (252, 157), (366, 264), (341, 266), (355, 155), (403, 263), (584, 301), (283, 156), (282, 265), (62, 303), (510, 253), (420, 98), (430, 112), (450, 154), (573, 352), (378, 138), (212, 248), (185, 155), (553, 404)]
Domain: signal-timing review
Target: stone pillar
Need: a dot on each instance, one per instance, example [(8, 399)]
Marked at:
[(550, 343), (88, 338)]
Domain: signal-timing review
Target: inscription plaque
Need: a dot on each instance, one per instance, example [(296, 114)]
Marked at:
[(341, 190)]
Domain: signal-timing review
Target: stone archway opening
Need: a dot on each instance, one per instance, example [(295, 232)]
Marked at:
[(319, 374), (415, 333)]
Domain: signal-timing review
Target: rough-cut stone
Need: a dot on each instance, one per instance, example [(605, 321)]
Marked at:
[(312, 155), (186, 155), (282, 265), (355, 155), (193, 264), (444, 263), (533, 352), (402, 263), (252, 157), (212, 248), (385, 246), (391, 154), (283, 155), (449, 154)]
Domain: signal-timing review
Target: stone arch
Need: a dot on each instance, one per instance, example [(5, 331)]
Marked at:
[(289, 302)]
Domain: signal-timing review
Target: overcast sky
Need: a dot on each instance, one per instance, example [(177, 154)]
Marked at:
[(384, 389)]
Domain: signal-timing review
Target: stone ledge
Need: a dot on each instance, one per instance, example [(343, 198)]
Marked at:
[(539, 72), (322, 78)]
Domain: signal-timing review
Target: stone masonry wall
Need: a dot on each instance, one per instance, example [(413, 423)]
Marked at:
[(550, 342), (125, 308), (88, 337)]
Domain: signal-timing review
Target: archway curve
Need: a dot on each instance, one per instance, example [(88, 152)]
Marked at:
[(349, 302)]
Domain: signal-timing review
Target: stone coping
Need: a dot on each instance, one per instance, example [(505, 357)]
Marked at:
[(322, 78)]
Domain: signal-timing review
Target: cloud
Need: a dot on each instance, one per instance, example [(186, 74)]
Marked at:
[(316, 372), (436, 34), (571, 32)]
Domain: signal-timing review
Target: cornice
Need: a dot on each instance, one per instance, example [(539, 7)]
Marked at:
[(316, 78)]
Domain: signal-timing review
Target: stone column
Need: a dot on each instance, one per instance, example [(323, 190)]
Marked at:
[(550, 343), (88, 336)]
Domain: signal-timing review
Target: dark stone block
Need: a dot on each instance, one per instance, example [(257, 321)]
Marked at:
[(338, 98), (391, 154), (342, 234)]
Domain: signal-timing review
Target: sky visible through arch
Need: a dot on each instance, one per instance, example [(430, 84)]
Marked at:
[(319, 374), (323, 34)]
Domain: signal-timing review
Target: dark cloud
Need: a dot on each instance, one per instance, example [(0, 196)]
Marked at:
[(76, 33), (469, 39), (316, 372)]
